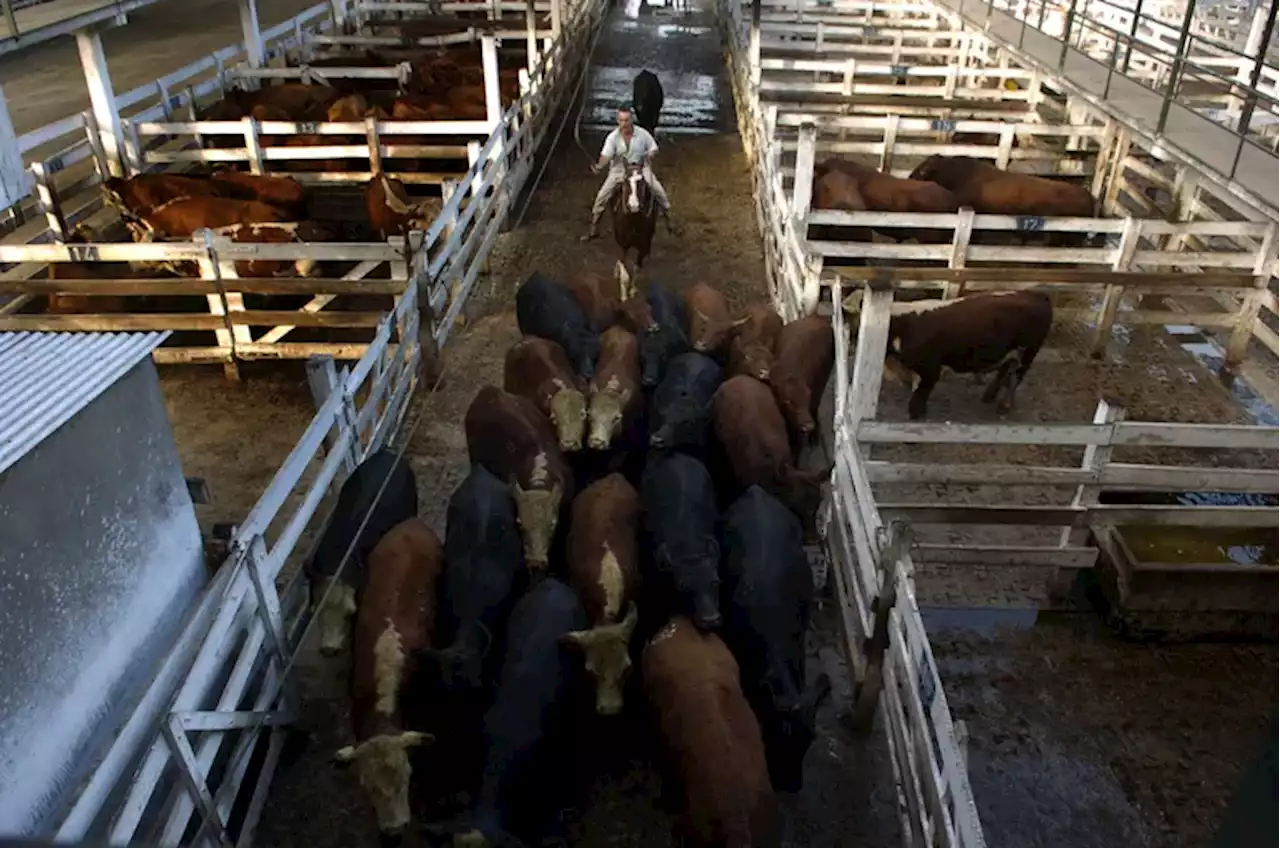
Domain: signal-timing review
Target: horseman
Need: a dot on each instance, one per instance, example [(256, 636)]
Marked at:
[(627, 145)]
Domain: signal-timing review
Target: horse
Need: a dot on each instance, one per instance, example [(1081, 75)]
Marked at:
[(635, 215)]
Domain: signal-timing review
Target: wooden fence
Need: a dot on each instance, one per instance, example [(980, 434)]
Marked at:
[(181, 763), (882, 633), (1161, 217), (447, 257)]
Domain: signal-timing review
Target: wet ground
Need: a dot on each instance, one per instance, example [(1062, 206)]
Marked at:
[(848, 798)]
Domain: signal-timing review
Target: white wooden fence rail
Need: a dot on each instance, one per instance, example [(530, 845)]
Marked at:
[(883, 635), (227, 670)]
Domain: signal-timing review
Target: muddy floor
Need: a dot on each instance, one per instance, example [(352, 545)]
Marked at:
[(848, 799), (1078, 738)]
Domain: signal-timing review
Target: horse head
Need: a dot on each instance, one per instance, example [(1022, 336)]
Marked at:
[(635, 197)]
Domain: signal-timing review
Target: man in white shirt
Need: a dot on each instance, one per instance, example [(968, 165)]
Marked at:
[(627, 145)]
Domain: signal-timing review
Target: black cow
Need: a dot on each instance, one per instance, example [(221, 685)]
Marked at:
[(768, 590), (646, 99), (484, 569), (339, 590), (547, 309), (529, 725), (999, 331), (678, 503), (665, 337), (681, 408)]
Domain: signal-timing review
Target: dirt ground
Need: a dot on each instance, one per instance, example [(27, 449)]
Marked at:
[(847, 798)]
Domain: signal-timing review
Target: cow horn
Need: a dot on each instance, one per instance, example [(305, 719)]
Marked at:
[(394, 203)]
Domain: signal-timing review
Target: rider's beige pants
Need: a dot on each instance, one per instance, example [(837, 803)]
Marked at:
[(614, 179)]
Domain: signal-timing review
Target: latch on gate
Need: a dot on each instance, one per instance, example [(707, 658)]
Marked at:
[(942, 125), (1030, 223), (898, 70)]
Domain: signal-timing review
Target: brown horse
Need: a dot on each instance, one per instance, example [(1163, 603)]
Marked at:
[(635, 215)]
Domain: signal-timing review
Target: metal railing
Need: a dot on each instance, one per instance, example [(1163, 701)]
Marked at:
[(1238, 88)]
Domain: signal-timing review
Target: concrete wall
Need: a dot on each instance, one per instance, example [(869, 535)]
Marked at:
[(100, 561)]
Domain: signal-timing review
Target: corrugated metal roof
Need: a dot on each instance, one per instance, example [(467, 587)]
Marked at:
[(46, 378)]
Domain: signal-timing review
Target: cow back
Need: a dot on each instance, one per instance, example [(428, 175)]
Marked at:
[(180, 218), (509, 436), (602, 535), (751, 430), (396, 617), (598, 296), (710, 738)]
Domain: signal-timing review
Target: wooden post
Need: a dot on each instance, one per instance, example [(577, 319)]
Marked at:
[(1086, 495), (811, 292), (322, 379), (492, 97), (866, 691), (252, 146), (531, 34), (49, 205), (1129, 239), (869, 353), (338, 10), (890, 139), (753, 44), (1102, 163), (802, 186), (960, 249), (102, 98), (210, 269), (557, 15), (374, 141), (1111, 191), (13, 176), (1242, 332), (251, 33)]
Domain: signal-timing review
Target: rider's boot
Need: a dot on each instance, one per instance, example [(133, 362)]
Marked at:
[(591, 233)]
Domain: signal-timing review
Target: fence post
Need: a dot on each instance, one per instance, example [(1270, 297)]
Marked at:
[(102, 97), (890, 139), (1111, 300), (251, 33), (47, 195), (557, 14), (959, 250), (252, 145), (322, 379), (219, 302), (531, 34), (374, 141), (1086, 495), (13, 176), (1251, 303), (869, 353), (895, 545), (802, 187), (492, 95)]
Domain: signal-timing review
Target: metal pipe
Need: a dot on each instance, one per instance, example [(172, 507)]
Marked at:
[(1133, 36), (1066, 33), (1251, 101), (1179, 59)]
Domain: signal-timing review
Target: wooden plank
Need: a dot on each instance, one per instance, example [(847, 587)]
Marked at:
[(1223, 436), (197, 286), (1190, 479), (110, 322), (1175, 281), (883, 432), (885, 471), (1005, 555), (1183, 516)]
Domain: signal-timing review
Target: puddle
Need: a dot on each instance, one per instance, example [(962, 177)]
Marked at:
[(985, 621)]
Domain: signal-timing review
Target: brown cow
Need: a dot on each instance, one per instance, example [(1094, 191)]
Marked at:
[(710, 739), (614, 395), (391, 212), (354, 107), (73, 304), (754, 339), (255, 233), (146, 191), (396, 619), (284, 193), (708, 314), (802, 364), (517, 444), (750, 427), (538, 370), (841, 184), (182, 217), (996, 331), (989, 190), (598, 296), (603, 569)]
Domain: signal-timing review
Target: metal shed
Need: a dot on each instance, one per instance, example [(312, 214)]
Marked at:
[(100, 554)]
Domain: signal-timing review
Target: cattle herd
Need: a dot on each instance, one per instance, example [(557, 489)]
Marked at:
[(633, 494)]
